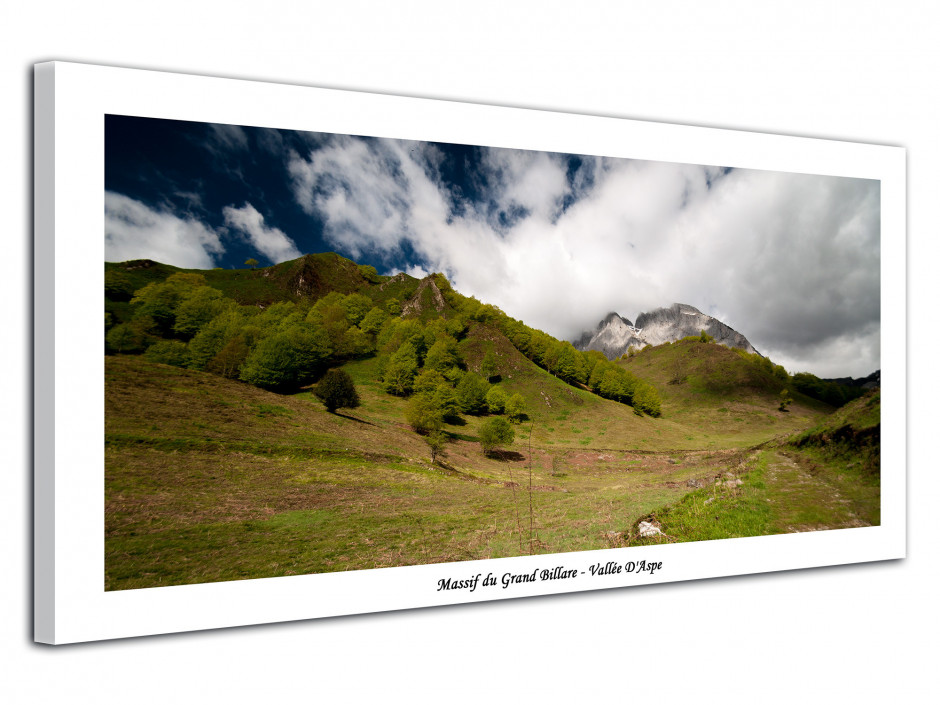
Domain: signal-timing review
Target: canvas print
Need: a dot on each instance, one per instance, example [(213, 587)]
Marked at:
[(329, 352)]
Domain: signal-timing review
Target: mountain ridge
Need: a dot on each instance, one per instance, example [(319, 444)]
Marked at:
[(615, 335)]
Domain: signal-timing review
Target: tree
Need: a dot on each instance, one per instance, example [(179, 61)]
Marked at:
[(488, 367), (496, 400), (495, 432), (437, 442), (399, 375), (373, 321), (288, 358), (117, 286), (168, 352), (251, 262), (471, 393), (229, 360), (337, 391), (516, 407), (124, 338), (442, 355), (197, 308), (785, 399), (356, 306), (424, 414)]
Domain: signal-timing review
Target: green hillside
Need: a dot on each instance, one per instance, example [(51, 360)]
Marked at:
[(472, 436), (210, 479)]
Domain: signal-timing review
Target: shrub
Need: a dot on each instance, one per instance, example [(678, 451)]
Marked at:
[(471, 393), (337, 391), (424, 414), (125, 339), (515, 408), (496, 400), (437, 442), (495, 432), (168, 352)]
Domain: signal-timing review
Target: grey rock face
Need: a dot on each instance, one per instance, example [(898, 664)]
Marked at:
[(615, 335)]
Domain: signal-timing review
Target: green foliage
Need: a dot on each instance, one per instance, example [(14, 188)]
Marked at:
[(515, 408), (168, 352), (424, 414), (471, 393), (494, 433), (196, 309), (646, 399), (705, 337), (785, 399), (829, 392), (369, 273), (213, 337), (357, 306), (443, 355), (337, 391), (251, 262), (124, 338), (373, 320), (288, 358), (496, 399), (401, 370), (488, 366), (229, 360), (117, 286), (437, 443)]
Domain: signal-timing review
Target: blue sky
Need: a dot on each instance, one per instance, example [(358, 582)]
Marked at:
[(791, 261)]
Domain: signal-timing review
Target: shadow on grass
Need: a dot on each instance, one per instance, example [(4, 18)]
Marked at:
[(353, 418), (506, 456)]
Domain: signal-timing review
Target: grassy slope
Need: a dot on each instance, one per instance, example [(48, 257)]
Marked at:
[(306, 278), (209, 479), (722, 399), (823, 478)]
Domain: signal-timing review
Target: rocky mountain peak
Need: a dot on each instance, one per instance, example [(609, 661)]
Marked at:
[(615, 335)]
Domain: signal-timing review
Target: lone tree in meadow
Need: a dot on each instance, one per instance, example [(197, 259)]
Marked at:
[(495, 432), (437, 443), (337, 391), (251, 262), (785, 400)]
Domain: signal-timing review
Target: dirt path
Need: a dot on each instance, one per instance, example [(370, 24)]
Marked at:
[(802, 499)]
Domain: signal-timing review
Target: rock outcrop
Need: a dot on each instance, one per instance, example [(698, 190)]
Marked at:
[(615, 335), (427, 296)]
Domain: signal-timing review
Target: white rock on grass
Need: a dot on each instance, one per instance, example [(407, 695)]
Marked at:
[(647, 528)]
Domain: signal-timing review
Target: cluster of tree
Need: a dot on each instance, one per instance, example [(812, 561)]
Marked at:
[(589, 369), (614, 382), (423, 362), (702, 337), (764, 364), (830, 392), (182, 321)]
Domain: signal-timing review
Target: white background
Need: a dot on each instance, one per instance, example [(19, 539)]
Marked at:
[(855, 71)]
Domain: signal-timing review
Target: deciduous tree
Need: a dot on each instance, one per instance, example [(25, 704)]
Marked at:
[(337, 391)]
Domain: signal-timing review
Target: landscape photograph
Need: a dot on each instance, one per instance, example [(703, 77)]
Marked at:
[(330, 352)]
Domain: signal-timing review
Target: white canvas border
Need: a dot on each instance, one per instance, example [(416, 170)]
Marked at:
[(71, 100)]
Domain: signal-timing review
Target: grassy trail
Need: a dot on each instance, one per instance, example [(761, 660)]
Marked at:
[(775, 491)]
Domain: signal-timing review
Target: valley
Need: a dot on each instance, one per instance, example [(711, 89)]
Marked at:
[(209, 477)]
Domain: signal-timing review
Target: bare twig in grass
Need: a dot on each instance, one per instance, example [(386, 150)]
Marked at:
[(531, 528), (515, 505)]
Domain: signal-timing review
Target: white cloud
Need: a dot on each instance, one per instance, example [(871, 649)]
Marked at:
[(135, 231), (790, 261), (271, 242)]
